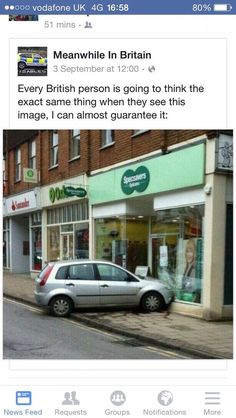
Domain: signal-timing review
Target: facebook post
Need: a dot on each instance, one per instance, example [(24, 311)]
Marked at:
[(117, 202)]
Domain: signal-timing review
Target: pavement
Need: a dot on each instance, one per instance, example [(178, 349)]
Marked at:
[(196, 337)]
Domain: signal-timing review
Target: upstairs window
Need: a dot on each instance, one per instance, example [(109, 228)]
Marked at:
[(17, 164), (4, 168), (54, 140), (75, 143), (107, 137), (32, 154)]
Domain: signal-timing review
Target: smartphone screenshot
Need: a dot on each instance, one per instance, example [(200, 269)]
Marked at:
[(117, 126)]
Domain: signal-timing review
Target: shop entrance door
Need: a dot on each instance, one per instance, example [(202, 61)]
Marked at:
[(164, 251), (67, 246)]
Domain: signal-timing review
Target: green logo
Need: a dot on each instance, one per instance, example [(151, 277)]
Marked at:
[(137, 180), (30, 173), (55, 193)]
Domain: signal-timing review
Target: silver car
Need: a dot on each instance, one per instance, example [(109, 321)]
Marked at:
[(64, 286)]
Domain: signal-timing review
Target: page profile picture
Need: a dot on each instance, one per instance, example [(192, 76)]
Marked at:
[(32, 61)]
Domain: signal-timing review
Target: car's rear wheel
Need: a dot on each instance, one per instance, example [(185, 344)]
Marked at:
[(21, 65), (61, 306), (152, 302)]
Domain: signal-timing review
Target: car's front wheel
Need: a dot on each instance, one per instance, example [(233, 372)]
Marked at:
[(152, 302), (61, 306), (21, 65)]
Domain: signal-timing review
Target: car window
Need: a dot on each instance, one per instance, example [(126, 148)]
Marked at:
[(25, 55), (112, 273), (81, 272), (62, 273)]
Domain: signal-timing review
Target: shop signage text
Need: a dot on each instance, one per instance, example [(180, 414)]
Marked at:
[(57, 193), (20, 205), (72, 191), (137, 180), (23, 202)]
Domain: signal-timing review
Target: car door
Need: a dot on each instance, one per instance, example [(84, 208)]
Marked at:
[(117, 287), (81, 281)]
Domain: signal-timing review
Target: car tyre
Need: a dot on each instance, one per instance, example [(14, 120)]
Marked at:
[(21, 65), (61, 306), (152, 302)]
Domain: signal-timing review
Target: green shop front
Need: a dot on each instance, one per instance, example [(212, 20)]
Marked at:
[(152, 213), (65, 220)]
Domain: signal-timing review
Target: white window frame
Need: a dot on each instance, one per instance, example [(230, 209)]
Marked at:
[(107, 137), (137, 132), (4, 168), (32, 154), (54, 146), (17, 164), (75, 143)]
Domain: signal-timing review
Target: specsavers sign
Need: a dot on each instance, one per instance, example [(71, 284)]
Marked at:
[(137, 180)]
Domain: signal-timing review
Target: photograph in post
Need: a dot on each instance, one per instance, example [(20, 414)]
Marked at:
[(32, 61), (127, 231), (23, 18)]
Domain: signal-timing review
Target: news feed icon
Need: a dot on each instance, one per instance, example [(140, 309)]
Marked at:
[(32, 61), (23, 398)]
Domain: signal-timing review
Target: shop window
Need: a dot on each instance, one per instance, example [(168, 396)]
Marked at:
[(122, 240), (17, 164), (82, 240), (75, 143), (4, 174), (6, 243), (36, 239), (53, 240), (67, 228), (70, 213), (32, 154), (177, 250), (36, 218), (228, 282), (54, 141), (36, 248), (107, 137)]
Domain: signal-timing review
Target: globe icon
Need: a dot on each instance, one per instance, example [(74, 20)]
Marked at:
[(165, 398)]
